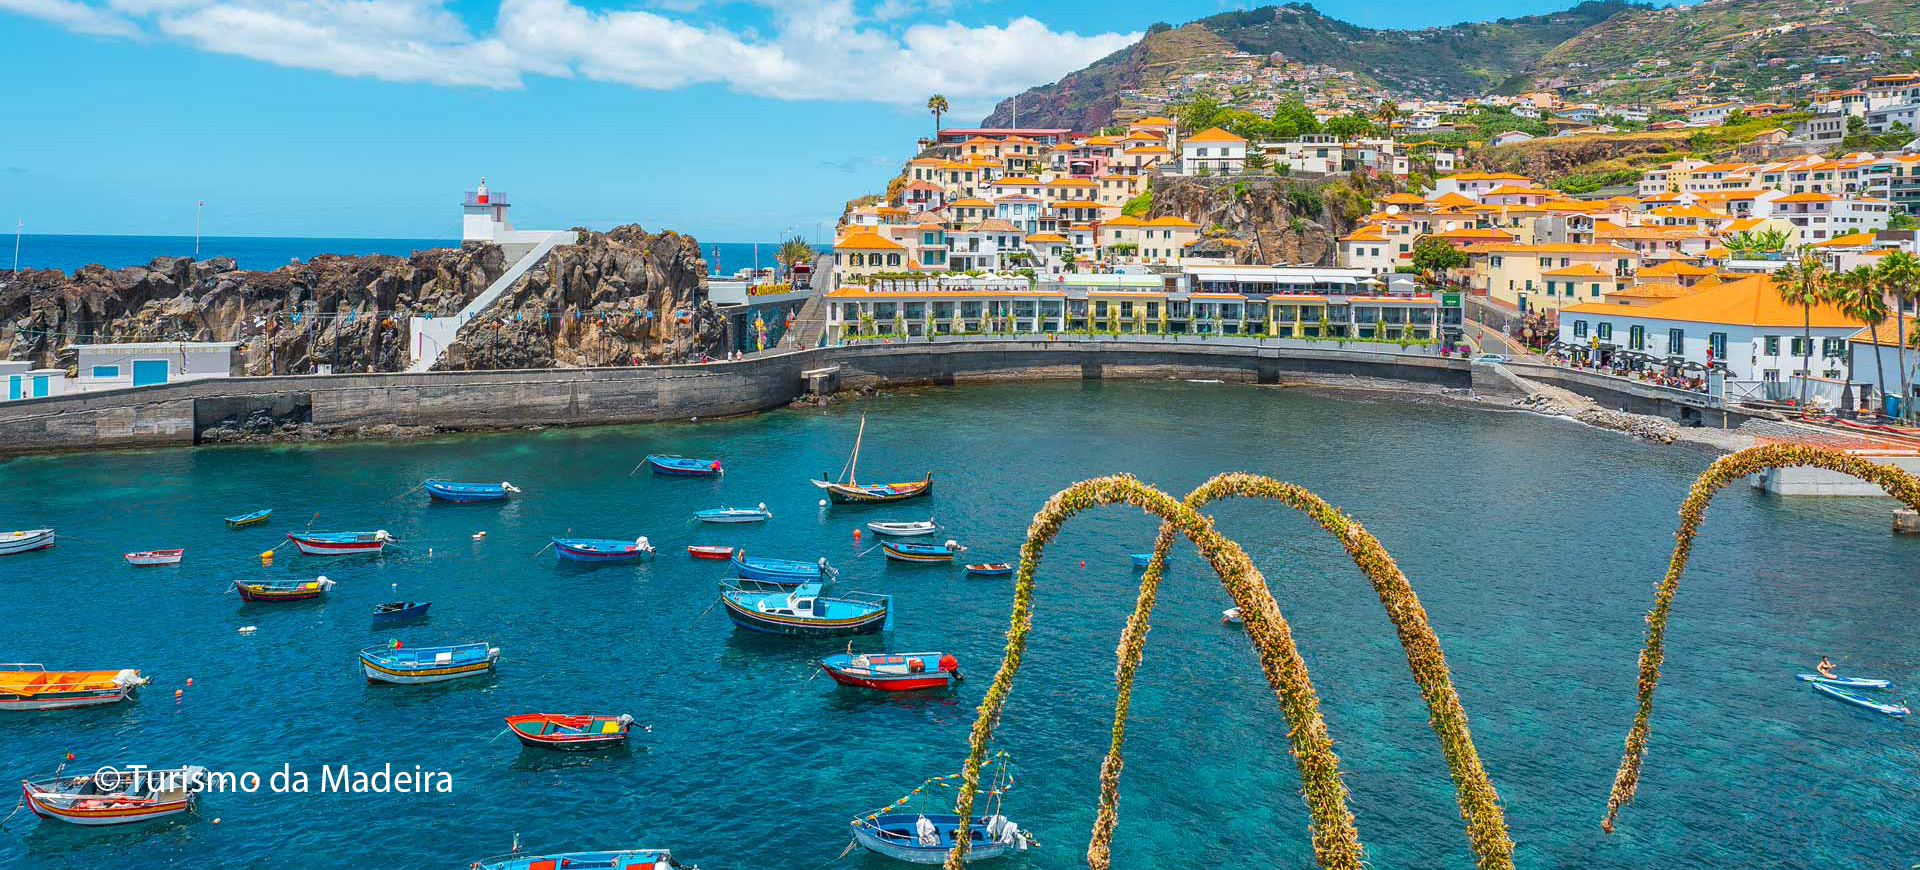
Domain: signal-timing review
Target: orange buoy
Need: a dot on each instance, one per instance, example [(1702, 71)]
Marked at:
[(856, 534), (189, 681), (178, 692)]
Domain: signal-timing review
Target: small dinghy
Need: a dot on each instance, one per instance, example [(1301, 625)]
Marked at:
[(114, 796), (709, 551), (921, 829), (1847, 682), (30, 686), (684, 466), (340, 543), (12, 543), (601, 549), (781, 572), (804, 612), (392, 663), (622, 859), (1141, 560), (1231, 616), (569, 732), (904, 530), (283, 590), (908, 551), (448, 490), (1858, 700), (735, 515), (248, 519), (399, 611), (893, 672), (991, 569), (155, 557)]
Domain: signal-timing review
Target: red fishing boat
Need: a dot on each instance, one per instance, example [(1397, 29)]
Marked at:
[(155, 557), (570, 732), (893, 672), (709, 551), (340, 543)]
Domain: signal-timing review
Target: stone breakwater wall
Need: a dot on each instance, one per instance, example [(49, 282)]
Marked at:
[(263, 408)]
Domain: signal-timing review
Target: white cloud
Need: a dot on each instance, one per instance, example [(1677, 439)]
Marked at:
[(819, 49), (75, 16)]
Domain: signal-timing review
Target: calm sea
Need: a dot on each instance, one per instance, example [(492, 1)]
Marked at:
[(268, 252), (1534, 545)]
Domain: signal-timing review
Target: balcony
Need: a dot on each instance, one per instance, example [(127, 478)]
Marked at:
[(494, 197)]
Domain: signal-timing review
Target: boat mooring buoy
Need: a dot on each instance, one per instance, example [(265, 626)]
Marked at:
[(856, 534), (823, 502), (266, 558)]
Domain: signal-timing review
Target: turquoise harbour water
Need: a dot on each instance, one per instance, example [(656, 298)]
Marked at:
[(1533, 544)]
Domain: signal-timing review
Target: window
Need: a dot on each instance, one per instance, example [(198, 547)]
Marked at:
[(1579, 329), (1596, 291), (1773, 345), (1801, 347), (1676, 342), (1606, 332), (1717, 344), (106, 371), (1637, 338), (1833, 347)]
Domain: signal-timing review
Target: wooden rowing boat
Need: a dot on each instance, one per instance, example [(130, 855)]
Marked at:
[(155, 557), (570, 732)]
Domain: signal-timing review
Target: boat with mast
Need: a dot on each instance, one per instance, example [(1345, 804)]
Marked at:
[(848, 489), (922, 828)]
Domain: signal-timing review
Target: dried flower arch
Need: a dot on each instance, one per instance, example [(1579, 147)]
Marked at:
[(1336, 841)]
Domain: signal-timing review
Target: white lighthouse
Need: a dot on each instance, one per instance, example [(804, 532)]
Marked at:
[(485, 218)]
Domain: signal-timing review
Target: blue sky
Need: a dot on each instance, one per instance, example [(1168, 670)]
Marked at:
[(735, 121)]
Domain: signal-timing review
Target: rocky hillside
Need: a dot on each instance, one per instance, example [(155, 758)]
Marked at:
[(1750, 48), (1268, 219), (351, 311), (627, 295), (1462, 58), (1600, 49)]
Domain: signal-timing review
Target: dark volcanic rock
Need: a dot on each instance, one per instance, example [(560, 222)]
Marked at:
[(351, 311)]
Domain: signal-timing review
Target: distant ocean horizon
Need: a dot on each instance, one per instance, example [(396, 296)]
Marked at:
[(70, 252)]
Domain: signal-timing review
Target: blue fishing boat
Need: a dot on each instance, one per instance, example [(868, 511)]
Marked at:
[(399, 611), (781, 572), (623, 859), (734, 515), (1141, 560), (802, 611), (447, 490), (428, 664), (248, 519), (921, 828), (602, 549), (909, 551), (684, 466)]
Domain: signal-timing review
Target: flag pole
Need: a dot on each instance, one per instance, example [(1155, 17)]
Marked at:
[(198, 204)]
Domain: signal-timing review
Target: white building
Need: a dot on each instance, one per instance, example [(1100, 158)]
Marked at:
[(1883, 120), (1743, 324), (1213, 150), (1822, 216), (138, 364), (22, 381)]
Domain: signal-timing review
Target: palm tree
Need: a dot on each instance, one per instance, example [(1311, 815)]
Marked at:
[(1803, 284), (1899, 278), (1386, 112), (1861, 298), (793, 251), (937, 104)]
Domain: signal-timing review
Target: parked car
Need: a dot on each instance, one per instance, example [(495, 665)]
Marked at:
[(1490, 358)]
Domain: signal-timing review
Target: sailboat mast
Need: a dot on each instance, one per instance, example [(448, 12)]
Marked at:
[(853, 464)]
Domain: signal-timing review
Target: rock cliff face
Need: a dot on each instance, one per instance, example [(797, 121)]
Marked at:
[(1266, 220), (621, 297), (351, 312)]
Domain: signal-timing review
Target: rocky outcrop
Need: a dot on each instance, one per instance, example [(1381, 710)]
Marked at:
[(1548, 159), (622, 297), (1267, 219), (350, 312)]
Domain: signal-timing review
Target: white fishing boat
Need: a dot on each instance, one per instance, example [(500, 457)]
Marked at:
[(904, 530), (24, 541), (735, 515), (114, 798)]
